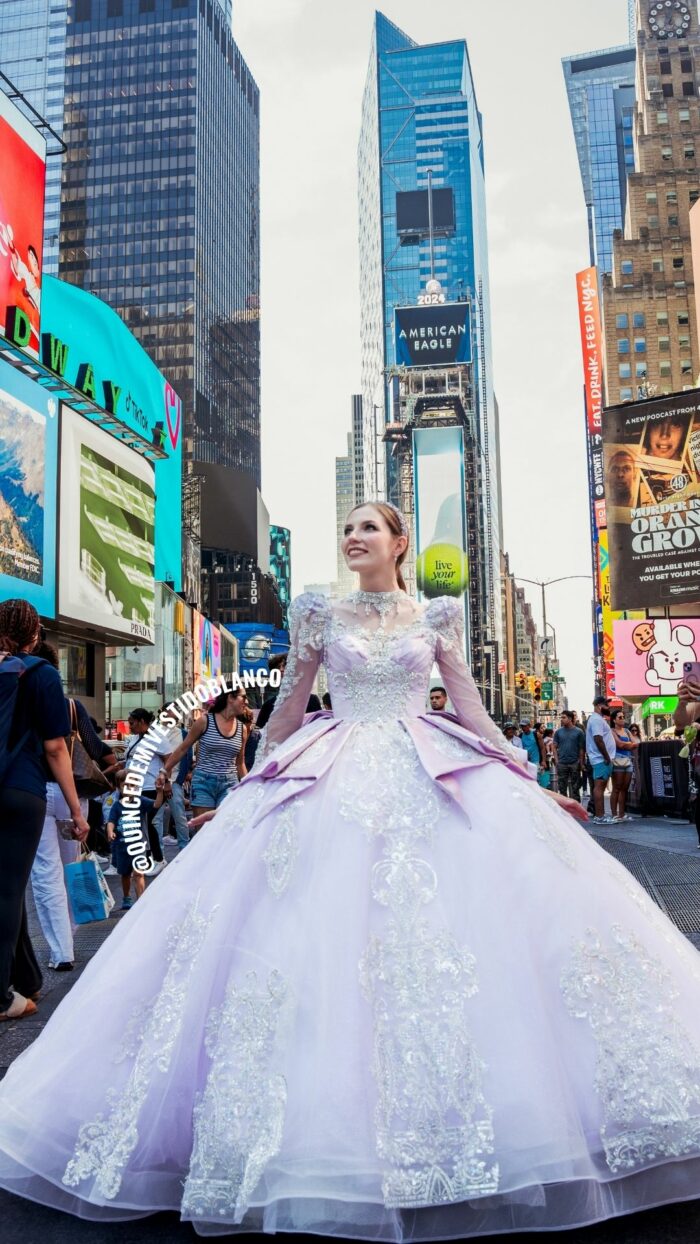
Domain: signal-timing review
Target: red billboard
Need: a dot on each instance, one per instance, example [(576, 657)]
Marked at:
[(22, 178)]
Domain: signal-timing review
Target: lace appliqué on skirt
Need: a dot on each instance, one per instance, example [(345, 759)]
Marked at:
[(105, 1145), (239, 1117), (281, 852), (549, 824), (411, 802), (434, 1127), (648, 1066)]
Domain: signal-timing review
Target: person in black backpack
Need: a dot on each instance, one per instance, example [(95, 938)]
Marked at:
[(34, 723)]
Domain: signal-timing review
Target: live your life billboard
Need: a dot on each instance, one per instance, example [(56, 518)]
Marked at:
[(87, 344), (652, 496)]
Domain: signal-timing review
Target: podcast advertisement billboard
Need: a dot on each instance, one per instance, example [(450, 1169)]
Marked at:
[(22, 181), (652, 500)]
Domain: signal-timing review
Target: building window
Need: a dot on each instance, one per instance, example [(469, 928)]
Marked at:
[(652, 222), (683, 319), (661, 317), (657, 265), (625, 371), (625, 395), (664, 369), (686, 65), (638, 319), (662, 118), (694, 196), (664, 344), (671, 197), (686, 367), (641, 370), (115, 8), (623, 345), (667, 153), (640, 345), (684, 114), (673, 222), (626, 267), (83, 10), (684, 343), (651, 196), (688, 88), (667, 88), (621, 321), (689, 151), (665, 66), (678, 261)]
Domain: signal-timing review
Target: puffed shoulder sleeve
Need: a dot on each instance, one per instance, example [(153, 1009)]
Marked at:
[(308, 619), (446, 617)]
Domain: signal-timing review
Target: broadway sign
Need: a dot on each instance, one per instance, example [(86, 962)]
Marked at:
[(433, 336)]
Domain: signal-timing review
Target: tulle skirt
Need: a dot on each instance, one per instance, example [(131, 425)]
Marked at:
[(391, 992)]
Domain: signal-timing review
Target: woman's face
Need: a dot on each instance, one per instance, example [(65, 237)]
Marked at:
[(237, 703), (618, 720), (368, 544), (665, 440)]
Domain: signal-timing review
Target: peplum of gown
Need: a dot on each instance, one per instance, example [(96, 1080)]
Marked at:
[(390, 992)]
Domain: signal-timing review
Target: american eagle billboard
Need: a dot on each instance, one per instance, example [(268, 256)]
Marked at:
[(433, 336)]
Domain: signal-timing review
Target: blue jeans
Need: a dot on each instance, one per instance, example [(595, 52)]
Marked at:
[(176, 803), (210, 789)]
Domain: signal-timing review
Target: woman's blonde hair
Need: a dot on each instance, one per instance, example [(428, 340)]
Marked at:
[(393, 520)]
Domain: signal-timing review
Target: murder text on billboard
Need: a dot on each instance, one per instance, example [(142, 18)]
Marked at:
[(433, 336), (652, 493)]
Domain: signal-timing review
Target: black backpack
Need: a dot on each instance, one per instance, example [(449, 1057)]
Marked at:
[(12, 670)]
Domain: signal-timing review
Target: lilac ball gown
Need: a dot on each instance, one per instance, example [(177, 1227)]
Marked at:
[(391, 992)]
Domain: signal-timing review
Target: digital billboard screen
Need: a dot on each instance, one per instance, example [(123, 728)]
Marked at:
[(28, 476), (412, 210), (442, 566), (107, 531), (85, 342), (433, 336), (22, 179), (652, 500), (650, 654)]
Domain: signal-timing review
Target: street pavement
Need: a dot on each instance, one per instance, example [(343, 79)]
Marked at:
[(664, 857)]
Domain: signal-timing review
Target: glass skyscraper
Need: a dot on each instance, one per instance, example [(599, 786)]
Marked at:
[(420, 118), (33, 57), (600, 87), (159, 202)]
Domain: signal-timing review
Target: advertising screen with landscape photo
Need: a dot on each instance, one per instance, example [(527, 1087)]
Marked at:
[(652, 496), (22, 178), (28, 468), (107, 531)]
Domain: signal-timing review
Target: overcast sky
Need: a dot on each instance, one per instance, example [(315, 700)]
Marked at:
[(309, 58)]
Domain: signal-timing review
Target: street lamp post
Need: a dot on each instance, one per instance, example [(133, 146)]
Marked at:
[(543, 584)]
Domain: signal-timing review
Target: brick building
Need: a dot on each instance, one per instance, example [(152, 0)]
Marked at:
[(648, 300)]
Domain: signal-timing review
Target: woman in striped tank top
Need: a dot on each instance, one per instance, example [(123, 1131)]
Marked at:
[(221, 736)]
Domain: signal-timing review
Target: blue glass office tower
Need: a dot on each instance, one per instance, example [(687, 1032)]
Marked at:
[(156, 207), (419, 116), (600, 87), (33, 56)]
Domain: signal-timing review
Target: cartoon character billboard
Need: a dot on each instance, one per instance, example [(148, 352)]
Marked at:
[(22, 179), (650, 654)]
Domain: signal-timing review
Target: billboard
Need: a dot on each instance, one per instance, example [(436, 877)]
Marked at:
[(107, 531), (22, 179), (28, 476), (652, 490), (433, 336), (442, 566), (85, 342), (281, 564), (650, 654)]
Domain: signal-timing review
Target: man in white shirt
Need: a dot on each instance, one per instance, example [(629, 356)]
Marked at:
[(600, 750)]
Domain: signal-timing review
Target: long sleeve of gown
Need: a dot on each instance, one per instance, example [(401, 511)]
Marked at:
[(308, 617), (447, 618)]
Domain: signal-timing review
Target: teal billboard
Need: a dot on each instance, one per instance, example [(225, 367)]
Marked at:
[(87, 344)]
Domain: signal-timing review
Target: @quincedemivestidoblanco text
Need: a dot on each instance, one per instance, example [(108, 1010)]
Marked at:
[(174, 715)]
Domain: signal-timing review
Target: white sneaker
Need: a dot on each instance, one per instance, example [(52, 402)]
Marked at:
[(157, 868), (110, 872)]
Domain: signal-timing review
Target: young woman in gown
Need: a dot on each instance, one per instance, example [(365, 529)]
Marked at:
[(392, 991)]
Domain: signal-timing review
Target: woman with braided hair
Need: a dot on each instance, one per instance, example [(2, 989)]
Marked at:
[(394, 993), (32, 751)]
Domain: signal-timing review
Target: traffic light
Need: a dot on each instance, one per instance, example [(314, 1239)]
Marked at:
[(520, 680), (538, 688), (531, 683)]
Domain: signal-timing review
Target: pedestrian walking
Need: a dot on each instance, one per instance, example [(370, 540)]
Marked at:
[(530, 743), (175, 803), (569, 746), (153, 751), (220, 735), (34, 724), (511, 735), (121, 858), (600, 751), (623, 769), (58, 845)]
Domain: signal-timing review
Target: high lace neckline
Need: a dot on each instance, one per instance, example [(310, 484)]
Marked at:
[(383, 603)]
